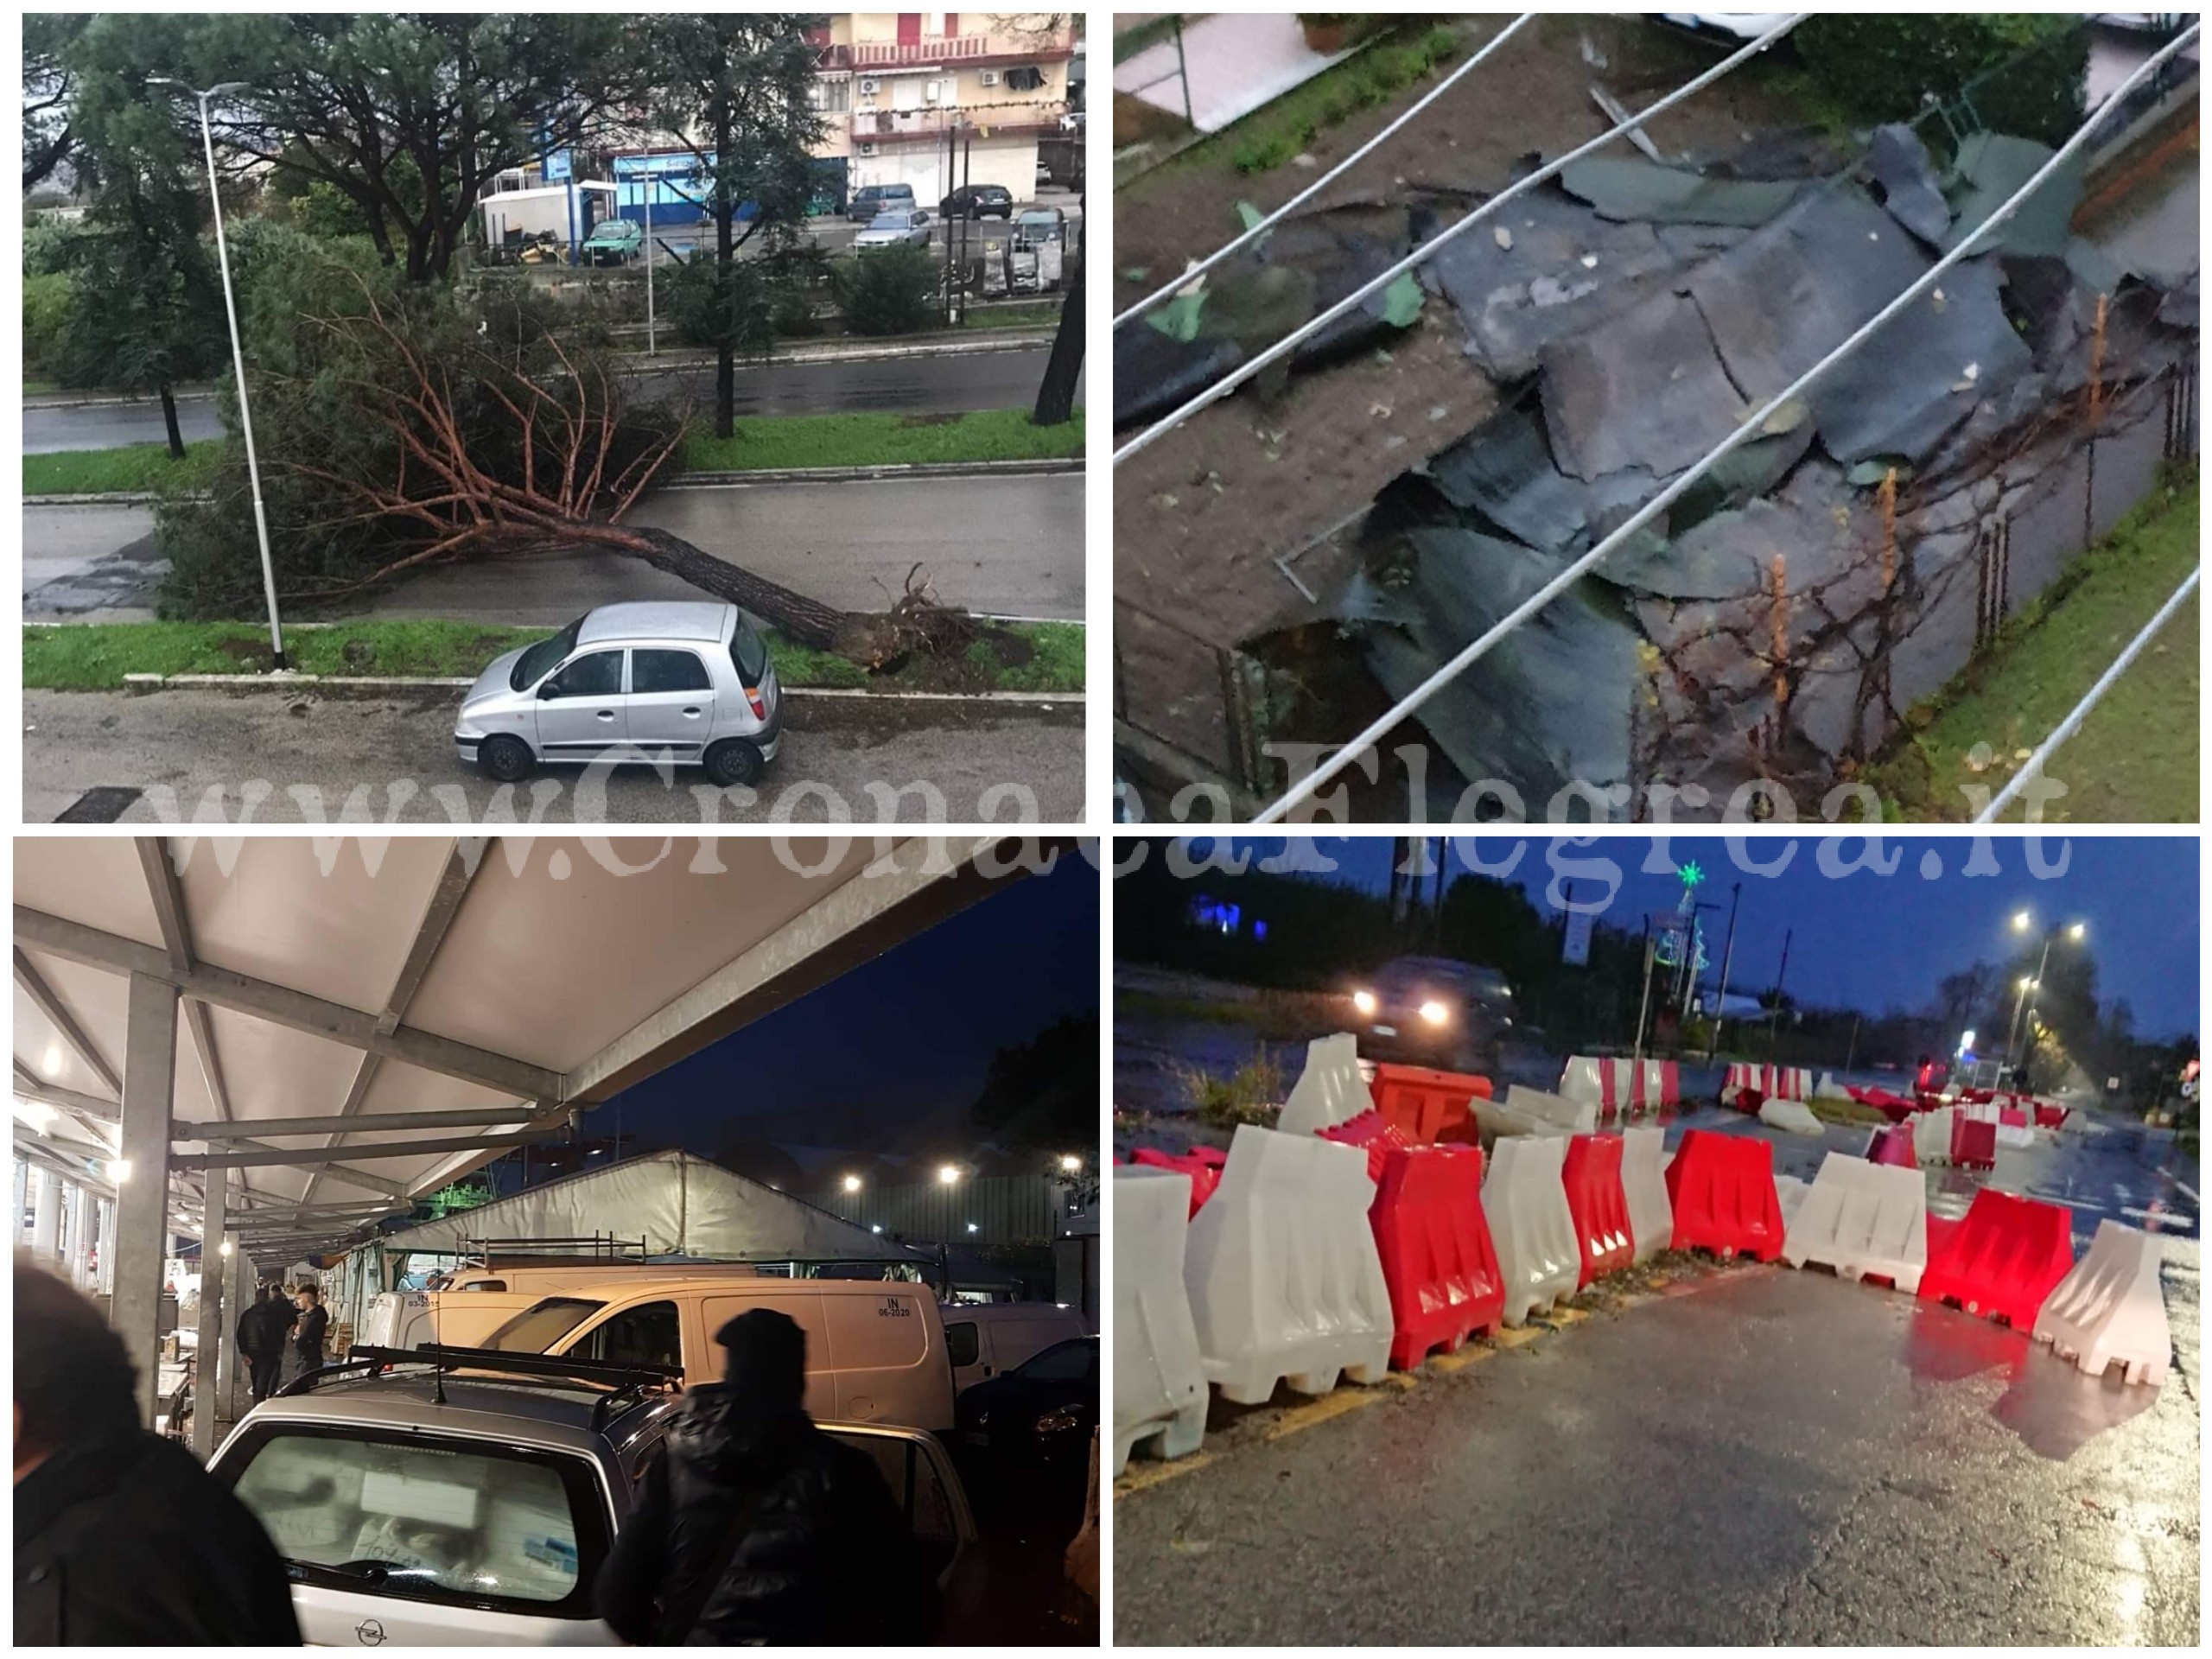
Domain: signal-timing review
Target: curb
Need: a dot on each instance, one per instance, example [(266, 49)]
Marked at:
[(998, 341), (338, 685), (116, 499), (889, 470)]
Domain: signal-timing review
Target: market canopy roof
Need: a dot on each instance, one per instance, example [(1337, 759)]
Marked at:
[(443, 995), (678, 1204)]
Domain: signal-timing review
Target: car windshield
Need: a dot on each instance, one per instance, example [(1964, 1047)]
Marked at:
[(464, 1522), (750, 652), (1437, 974), (538, 1327), (540, 660), (889, 222)]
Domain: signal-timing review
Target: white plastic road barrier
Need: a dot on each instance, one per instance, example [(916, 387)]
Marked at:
[(1790, 1116), (1284, 1279), (2112, 1307), (1643, 1178), (1586, 1078), (1494, 1118), (1621, 1086), (1331, 1089), (2010, 1134), (1860, 1218), (1829, 1089), (1575, 1116), (1931, 1136), (1789, 1192), (1159, 1382), (1524, 1200)]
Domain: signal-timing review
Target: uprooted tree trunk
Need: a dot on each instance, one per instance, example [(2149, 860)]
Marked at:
[(568, 484)]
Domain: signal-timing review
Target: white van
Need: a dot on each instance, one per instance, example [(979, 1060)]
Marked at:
[(876, 1349), (984, 1339)]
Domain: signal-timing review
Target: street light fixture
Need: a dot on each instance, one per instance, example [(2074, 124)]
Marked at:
[(852, 1183), (2021, 921), (237, 356), (948, 1174), (1071, 1165)]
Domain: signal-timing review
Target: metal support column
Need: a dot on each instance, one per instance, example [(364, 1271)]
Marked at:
[(143, 1190), (236, 1397), (45, 1218), (106, 1273), (80, 1238), (210, 1366)]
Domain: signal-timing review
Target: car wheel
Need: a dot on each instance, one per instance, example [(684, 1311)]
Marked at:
[(735, 762), (505, 759)]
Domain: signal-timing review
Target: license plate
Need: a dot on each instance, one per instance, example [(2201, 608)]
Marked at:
[(1386, 1030)]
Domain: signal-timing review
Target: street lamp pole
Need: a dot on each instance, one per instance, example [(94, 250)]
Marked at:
[(2020, 923), (238, 361)]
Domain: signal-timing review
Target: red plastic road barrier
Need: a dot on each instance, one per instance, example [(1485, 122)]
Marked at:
[(1746, 1100), (1893, 1146), (1375, 1132), (2013, 1117), (1427, 1106), (1437, 1255), (1202, 1164), (1973, 1143), (1722, 1189), (1896, 1107), (2048, 1117), (1599, 1203), (2002, 1259), (1979, 1096)]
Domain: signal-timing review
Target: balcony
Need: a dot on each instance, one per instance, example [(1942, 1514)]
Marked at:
[(908, 126), (962, 51)]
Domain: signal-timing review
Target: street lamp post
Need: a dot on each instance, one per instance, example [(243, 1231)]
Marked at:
[(2021, 923), (238, 358), (2019, 1002)]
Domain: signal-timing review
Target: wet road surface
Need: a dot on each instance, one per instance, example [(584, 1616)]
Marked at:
[(105, 757), (1748, 1456)]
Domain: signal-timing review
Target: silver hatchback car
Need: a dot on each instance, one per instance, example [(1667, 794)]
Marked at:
[(682, 681), (476, 1507)]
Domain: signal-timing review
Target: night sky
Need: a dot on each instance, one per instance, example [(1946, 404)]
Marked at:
[(1876, 943), (896, 1040)]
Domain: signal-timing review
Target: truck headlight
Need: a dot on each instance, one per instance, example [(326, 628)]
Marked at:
[(1363, 1000), (1435, 1012)]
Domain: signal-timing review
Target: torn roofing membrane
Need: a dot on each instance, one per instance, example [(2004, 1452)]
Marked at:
[(1629, 188)]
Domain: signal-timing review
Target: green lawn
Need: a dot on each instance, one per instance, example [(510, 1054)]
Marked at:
[(2135, 759), (134, 467), (1043, 315), (873, 440), (94, 657)]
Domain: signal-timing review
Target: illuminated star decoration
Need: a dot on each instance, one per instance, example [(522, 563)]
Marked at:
[(1692, 874)]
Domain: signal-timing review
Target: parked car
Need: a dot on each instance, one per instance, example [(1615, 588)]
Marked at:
[(615, 242), (1027, 1435), (470, 1499), (871, 200), (892, 229), (684, 682), (1434, 1011), (875, 1348), (986, 1339), (978, 201)]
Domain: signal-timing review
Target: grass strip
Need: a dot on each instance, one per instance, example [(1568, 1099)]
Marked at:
[(127, 468), (877, 440), (95, 656)]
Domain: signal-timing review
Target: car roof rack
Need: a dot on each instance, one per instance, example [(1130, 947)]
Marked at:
[(624, 1380)]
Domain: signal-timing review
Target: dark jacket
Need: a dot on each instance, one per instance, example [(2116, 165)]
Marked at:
[(313, 1324), (822, 1553), (262, 1328), (127, 1541)]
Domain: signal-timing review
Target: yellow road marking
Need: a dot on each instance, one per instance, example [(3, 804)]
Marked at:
[(1517, 1336), (1461, 1361), (1328, 1406), (1151, 1474), (1565, 1316)]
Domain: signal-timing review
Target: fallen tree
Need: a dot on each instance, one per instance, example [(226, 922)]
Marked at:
[(406, 438)]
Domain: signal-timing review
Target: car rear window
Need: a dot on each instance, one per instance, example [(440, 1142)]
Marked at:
[(962, 1346), (750, 652), (466, 1524)]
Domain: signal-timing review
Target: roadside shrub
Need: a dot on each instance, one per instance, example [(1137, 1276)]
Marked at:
[(1882, 66), (49, 314), (887, 291), (712, 304)]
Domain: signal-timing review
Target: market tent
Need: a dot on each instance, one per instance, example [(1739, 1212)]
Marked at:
[(676, 1204)]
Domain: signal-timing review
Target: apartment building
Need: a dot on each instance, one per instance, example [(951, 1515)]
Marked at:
[(899, 89)]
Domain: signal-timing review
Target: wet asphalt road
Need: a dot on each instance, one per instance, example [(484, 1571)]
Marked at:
[(1004, 546), (216, 756), (1754, 1456), (913, 385)]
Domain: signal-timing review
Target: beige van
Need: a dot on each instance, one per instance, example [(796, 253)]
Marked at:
[(475, 1301), (875, 1348)]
